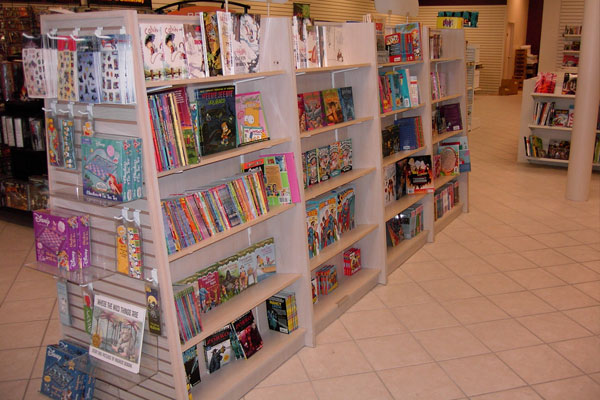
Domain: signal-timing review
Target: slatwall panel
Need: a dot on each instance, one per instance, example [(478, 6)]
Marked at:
[(571, 13), (112, 383), (489, 34)]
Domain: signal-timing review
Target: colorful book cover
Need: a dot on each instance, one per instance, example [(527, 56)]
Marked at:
[(312, 165), (395, 89), (385, 94), (347, 103), (405, 87), (301, 113), (217, 349), (152, 51), (333, 107), (246, 40), (331, 218), (569, 83), (287, 161), (389, 184), (88, 66), (209, 288), (195, 49), (413, 32), (346, 155), (247, 333), (335, 167), (121, 348), (312, 226), (248, 267), (213, 49), (174, 56), (226, 39), (419, 176), (313, 109), (251, 122), (190, 363), (264, 254), (345, 212), (313, 53), (323, 155), (216, 110), (413, 89), (449, 158), (229, 278), (276, 181)]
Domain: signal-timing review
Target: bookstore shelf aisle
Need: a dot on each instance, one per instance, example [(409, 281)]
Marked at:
[(162, 373)]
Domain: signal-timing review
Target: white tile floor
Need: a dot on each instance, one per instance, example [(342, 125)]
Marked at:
[(505, 304)]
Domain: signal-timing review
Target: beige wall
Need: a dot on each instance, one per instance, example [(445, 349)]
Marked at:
[(550, 24), (516, 12)]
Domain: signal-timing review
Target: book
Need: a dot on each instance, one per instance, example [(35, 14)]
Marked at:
[(332, 107), (323, 156), (216, 110), (452, 116), (226, 39), (213, 49), (385, 94), (152, 51), (401, 170), (560, 118), (191, 365), (264, 254), (174, 56), (313, 110), (312, 165), (346, 155), (389, 184), (335, 167), (248, 334), (412, 38), (301, 112), (449, 158), (121, 348), (347, 103), (312, 227), (558, 149), (346, 200), (569, 83), (229, 274), (413, 89), (334, 45), (313, 50), (289, 191), (545, 82), (217, 349), (352, 261), (251, 122), (280, 313), (195, 49), (246, 43), (419, 176)]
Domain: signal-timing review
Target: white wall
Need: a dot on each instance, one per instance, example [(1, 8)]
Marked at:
[(516, 12)]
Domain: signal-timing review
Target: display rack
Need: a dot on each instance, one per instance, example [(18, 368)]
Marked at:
[(163, 375), (546, 132)]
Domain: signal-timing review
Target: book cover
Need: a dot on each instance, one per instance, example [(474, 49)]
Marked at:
[(312, 224), (389, 184), (174, 56), (449, 158), (545, 82), (248, 267), (209, 288), (251, 122), (323, 156), (248, 334), (213, 49), (395, 89), (229, 274), (452, 116), (246, 43), (264, 253), (152, 51), (287, 167), (301, 112), (413, 90), (419, 177), (217, 349), (333, 107), (560, 118), (313, 52), (559, 149), (569, 83), (195, 49), (347, 103), (120, 347), (346, 155), (413, 33), (191, 365), (313, 110), (216, 110), (278, 316), (334, 159), (277, 180), (334, 45), (312, 165), (345, 212), (385, 94), (226, 39)]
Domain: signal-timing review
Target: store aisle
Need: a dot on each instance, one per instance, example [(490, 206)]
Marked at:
[(505, 304)]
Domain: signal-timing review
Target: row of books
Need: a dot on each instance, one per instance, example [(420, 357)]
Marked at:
[(279, 174), (66, 373), (23, 132), (326, 162), (435, 46), (398, 90), (317, 46), (92, 69), (326, 279), (282, 313), (557, 149), (219, 43), (405, 226), (404, 134), (207, 210), (112, 167), (226, 278), (328, 217), (545, 114), (446, 118), (439, 84), (217, 119), (325, 107), (445, 198), (188, 313), (572, 30), (238, 340), (405, 43), (28, 195), (62, 239)]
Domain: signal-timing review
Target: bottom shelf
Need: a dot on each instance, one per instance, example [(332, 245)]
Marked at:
[(450, 216), (242, 375), (349, 291), (554, 162), (396, 256)]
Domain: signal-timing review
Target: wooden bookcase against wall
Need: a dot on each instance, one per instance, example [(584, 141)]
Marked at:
[(162, 374), (453, 65)]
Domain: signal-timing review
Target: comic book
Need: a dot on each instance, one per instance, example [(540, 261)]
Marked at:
[(216, 110), (347, 102), (246, 43), (247, 333), (419, 176), (313, 109), (174, 56), (332, 107), (195, 49), (152, 51), (251, 121)]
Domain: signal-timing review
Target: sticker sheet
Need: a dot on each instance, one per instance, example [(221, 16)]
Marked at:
[(68, 131), (67, 71)]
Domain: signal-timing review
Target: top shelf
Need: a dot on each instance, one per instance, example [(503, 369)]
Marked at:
[(212, 79), (334, 68), (400, 64), (554, 95)]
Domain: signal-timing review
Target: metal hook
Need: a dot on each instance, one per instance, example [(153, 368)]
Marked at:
[(27, 36), (98, 33), (52, 35)]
